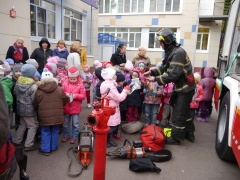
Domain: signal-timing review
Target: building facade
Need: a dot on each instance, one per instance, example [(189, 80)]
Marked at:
[(54, 19), (138, 21)]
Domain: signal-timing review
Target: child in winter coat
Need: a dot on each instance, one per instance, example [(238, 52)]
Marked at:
[(152, 100), (6, 82), (49, 96), (208, 84), (74, 90), (134, 99), (61, 50), (96, 65), (16, 75), (128, 70), (167, 108), (98, 74), (197, 97), (25, 89), (109, 75), (123, 106), (87, 79), (62, 68)]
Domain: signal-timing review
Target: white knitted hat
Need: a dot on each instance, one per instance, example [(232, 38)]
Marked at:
[(108, 73)]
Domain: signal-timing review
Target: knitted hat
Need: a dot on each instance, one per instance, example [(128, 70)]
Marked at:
[(46, 74), (120, 77), (17, 67), (32, 62), (97, 64), (197, 77), (6, 67), (10, 61), (108, 73), (53, 59), (51, 67), (137, 71), (141, 64), (73, 72), (129, 65), (1, 70), (38, 75), (28, 70), (87, 66), (61, 63)]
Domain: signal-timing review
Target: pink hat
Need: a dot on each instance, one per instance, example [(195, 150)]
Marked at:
[(73, 72), (97, 64), (53, 59), (51, 67), (129, 65)]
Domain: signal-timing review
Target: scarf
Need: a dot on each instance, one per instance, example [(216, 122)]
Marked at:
[(18, 52), (61, 50)]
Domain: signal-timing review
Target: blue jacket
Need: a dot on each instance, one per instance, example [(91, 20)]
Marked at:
[(63, 54)]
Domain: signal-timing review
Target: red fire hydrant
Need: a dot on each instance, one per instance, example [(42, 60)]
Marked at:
[(99, 119)]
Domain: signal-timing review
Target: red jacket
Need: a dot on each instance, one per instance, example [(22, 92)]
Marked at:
[(6, 154), (197, 97), (77, 89)]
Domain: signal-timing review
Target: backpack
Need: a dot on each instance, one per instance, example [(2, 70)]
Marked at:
[(152, 136)]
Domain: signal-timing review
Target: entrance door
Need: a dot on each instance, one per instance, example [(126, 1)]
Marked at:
[(107, 51)]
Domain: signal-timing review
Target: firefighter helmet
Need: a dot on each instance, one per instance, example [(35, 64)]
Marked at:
[(166, 35)]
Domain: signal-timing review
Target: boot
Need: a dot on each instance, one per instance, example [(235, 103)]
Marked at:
[(110, 142), (23, 168), (22, 161), (190, 137), (172, 141), (118, 136)]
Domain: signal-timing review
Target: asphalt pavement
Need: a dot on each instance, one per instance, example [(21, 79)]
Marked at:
[(190, 161)]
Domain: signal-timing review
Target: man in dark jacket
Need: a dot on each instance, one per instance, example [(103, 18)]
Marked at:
[(176, 67), (42, 53)]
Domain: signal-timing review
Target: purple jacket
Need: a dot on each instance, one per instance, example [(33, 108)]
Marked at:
[(87, 76), (208, 83)]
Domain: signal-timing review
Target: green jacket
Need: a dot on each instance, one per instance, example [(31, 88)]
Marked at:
[(7, 87)]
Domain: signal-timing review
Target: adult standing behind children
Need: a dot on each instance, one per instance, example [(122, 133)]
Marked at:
[(119, 57), (177, 68), (18, 52), (61, 50), (142, 55), (73, 58), (83, 54), (42, 53), (49, 96)]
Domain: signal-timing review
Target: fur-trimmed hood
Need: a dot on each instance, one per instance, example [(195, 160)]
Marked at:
[(48, 84), (145, 56)]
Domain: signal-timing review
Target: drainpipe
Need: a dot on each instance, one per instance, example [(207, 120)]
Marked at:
[(61, 19), (91, 25), (195, 44)]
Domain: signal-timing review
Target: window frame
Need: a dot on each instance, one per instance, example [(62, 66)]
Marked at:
[(70, 24), (128, 32), (202, 33), (164, 7), (39, 6)]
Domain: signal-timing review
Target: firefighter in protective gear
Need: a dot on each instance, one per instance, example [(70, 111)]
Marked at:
[(176, 67)]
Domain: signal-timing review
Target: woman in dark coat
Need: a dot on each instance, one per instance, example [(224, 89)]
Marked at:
[(18, 52), (42, 53), (119, 57)]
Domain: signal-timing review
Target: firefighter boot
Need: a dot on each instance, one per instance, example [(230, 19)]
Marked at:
[(22, 161), (190, 137)]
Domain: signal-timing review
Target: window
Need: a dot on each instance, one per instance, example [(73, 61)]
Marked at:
[(131, 35), (121, 6), (72, 25), (164, 6), (152, 43), (42, 15), (202, 39)]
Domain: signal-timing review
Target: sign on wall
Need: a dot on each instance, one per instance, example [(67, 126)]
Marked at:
[(93, 3)]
